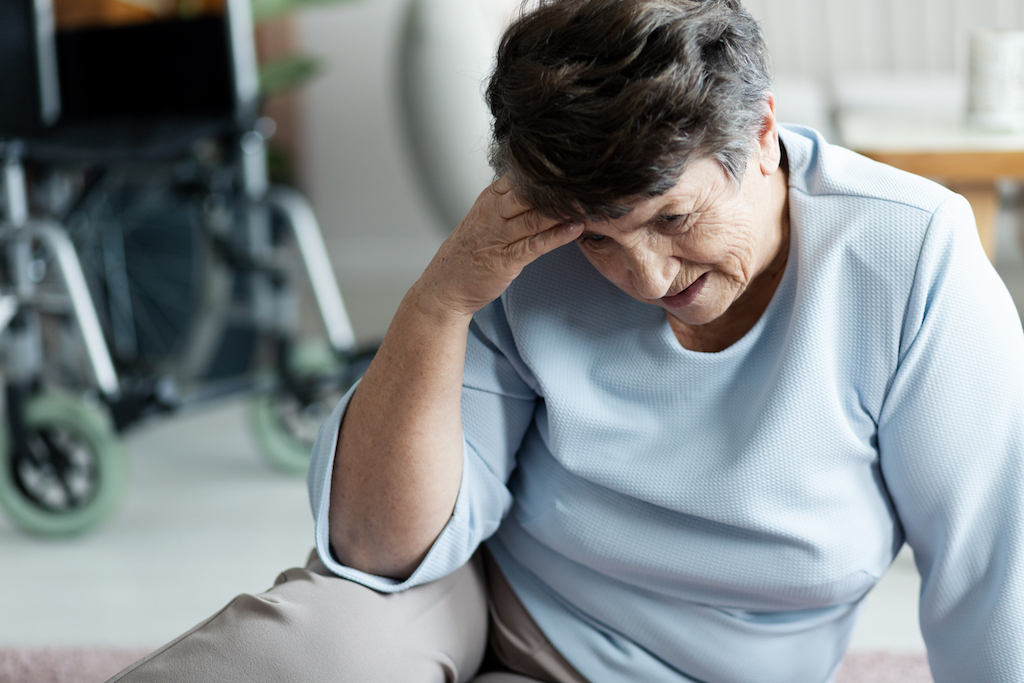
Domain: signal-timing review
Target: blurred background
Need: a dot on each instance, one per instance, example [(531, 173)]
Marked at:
[(386, 136)]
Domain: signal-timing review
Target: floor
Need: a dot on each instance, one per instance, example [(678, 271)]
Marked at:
[(205, 518)]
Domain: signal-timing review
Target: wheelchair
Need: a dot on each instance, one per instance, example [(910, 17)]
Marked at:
[(148, 264)]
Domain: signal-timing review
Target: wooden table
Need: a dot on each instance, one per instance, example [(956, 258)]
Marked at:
[(964, 159)]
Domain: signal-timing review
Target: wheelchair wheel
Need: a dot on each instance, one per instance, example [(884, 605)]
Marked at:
[(284, 424), (75, 474), (140, 241), (144, 238)]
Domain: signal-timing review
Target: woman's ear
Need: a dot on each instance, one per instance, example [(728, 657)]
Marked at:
[(768, 139)]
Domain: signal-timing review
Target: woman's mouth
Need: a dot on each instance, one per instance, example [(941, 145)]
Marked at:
[(687, 296)]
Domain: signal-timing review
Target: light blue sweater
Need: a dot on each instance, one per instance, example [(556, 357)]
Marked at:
[(668, 515)]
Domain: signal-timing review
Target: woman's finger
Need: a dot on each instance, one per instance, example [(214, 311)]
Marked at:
[(502, 185), (509, 205), (540, 243), (530, 222)]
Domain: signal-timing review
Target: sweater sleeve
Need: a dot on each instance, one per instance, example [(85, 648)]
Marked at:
[(497, 407), (951, 441)]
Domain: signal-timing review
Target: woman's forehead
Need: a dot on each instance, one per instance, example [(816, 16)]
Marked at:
[(699, 180), (699, 186)]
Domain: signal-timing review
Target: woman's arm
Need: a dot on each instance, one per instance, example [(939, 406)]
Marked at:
[(398, 463), (951, 439)]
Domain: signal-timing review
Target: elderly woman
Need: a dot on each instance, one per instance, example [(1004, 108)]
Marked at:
[(685, 447)]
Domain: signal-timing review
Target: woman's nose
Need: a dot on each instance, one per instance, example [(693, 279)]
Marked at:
[(650, 274)]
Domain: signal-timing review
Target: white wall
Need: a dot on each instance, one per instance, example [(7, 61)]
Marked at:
[(380, 230), (828, 37)]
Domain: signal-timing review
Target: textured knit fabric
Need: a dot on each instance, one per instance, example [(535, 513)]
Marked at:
[(668, 515)]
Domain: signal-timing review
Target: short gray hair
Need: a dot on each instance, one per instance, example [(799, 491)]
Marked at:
[(599, 101)]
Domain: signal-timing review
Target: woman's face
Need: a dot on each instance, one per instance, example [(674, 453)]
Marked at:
[(696, 250)]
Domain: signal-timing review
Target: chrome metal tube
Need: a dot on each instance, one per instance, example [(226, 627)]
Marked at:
[(8, 309), (46, 60), (15, 193), (55, 239), (302, 220)]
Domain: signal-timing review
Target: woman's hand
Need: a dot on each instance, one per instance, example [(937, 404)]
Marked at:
[(494, 242)]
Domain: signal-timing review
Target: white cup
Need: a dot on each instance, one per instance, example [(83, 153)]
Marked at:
[(996, 82)]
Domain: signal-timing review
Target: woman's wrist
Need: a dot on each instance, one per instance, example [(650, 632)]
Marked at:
[(437, 307)]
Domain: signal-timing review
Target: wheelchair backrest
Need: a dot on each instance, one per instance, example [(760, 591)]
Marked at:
[(124, 73)]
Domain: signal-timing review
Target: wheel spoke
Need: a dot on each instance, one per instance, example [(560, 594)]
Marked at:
[(61, 475)]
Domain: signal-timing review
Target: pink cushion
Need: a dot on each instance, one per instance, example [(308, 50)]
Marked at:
[(65, 664), (884, 667)]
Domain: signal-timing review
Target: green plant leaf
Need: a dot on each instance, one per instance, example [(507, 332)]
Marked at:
[(287, 73), (268, 9)]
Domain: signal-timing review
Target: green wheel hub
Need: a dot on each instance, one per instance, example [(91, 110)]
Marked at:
[(283, 426), (77, 473)]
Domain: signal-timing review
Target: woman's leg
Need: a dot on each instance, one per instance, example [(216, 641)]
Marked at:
[(314, 626), (515, 639)]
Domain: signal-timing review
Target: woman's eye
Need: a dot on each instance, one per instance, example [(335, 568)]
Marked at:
[(677, 222), (592, 240)]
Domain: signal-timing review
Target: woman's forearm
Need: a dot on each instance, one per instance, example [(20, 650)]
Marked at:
[(398, 463)]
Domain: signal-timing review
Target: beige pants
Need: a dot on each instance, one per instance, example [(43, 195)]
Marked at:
[(313, 626)]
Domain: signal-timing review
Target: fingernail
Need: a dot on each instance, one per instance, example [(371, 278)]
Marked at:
[(575, 227)]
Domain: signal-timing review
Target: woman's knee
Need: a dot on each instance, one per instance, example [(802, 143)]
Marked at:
[(435, 631), (312, 626)]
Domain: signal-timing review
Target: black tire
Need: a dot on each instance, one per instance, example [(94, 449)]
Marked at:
[(77, 476)]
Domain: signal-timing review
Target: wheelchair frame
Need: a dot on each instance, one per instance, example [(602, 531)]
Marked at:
[(22, 301)]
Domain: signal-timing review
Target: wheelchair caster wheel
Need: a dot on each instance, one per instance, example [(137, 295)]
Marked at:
[(74, 475), (286, 426)]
